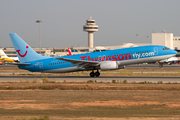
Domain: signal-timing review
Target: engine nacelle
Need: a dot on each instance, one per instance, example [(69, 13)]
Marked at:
[(110, 65)]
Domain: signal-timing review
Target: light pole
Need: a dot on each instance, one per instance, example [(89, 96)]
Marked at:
[(39, 21), (137, 38)]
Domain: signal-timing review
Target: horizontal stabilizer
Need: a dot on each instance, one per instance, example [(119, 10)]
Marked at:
[(21, 64)]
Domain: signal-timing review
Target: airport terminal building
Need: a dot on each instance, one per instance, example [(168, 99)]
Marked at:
[(166, 39)]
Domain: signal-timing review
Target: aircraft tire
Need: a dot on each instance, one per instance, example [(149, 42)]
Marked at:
[(91, 74), (97, 74)]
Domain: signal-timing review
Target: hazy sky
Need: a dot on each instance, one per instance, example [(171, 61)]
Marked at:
[(119, 21)]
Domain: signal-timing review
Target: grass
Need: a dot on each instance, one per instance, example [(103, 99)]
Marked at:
[(124, 85), (100, 112), (82, 103), (41, 118)]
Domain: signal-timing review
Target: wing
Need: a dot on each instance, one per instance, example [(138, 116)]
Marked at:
[(81, 63), (21, 64)]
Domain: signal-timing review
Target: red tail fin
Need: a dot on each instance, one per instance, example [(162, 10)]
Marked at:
[(69, 50)]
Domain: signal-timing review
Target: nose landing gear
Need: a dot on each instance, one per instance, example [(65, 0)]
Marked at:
[(93, 74), (160, 65)]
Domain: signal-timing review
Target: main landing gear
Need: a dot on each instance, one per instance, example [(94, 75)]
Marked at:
[(93, 74), (160, 65)]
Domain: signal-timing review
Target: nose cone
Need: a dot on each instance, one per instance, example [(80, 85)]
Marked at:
[(174, 52)]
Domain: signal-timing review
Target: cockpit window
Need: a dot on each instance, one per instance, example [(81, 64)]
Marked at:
[(166, 48)]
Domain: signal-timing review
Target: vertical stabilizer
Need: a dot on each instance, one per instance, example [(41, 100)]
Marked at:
[(69, 50), (24, 52), (2, 54)]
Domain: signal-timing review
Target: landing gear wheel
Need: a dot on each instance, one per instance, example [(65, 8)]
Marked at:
[(97, 74), (91, 74), (160, 65)]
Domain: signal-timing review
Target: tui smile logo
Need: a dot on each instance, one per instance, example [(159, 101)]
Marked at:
[(18, 51)]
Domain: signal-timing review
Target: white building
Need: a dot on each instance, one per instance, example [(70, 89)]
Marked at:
[(176, 42), (166, 39)]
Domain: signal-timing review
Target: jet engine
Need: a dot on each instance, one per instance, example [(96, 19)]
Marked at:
[(110, 65)]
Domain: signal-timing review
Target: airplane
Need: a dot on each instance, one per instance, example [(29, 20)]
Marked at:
[(4, 57), (170, 61), (104, 60)]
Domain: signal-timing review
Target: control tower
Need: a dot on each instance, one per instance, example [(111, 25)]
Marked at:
[(90, 27)]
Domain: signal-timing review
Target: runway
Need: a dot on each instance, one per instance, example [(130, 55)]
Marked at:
[(136, 79), (154, 66)]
